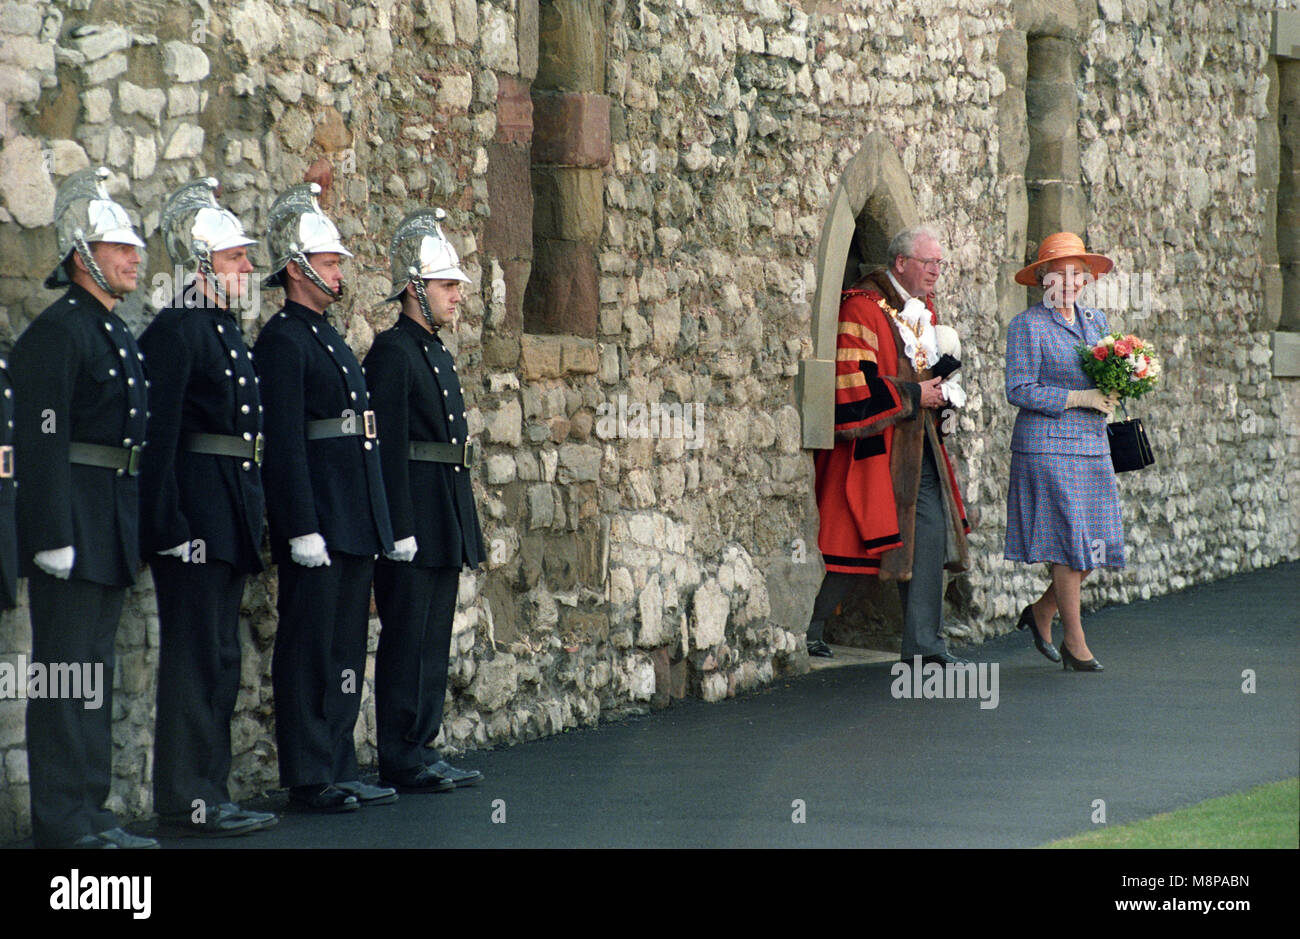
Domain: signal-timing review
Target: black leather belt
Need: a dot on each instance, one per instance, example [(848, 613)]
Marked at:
[(226, 445), (6, 462), (343, 427), (459, 454), (123, 459)]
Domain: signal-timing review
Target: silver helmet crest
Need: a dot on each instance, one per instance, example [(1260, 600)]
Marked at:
[(84, 213), (195, 226), (419, 251), (295, 228)]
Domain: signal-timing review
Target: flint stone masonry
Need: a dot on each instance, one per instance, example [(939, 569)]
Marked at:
[(698, 150)]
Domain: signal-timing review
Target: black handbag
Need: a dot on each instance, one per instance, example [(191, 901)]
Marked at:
[(1129, 447)]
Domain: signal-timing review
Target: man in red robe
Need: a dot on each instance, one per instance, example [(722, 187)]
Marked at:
[(888, 498)]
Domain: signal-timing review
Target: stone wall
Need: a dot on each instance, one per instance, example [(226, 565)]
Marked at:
[(639, 191)]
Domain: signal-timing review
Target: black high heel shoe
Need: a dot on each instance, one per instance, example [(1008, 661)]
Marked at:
[(1027, 622), (1070, 662)]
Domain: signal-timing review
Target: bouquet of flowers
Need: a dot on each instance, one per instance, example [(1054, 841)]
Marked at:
[(1121, 364)]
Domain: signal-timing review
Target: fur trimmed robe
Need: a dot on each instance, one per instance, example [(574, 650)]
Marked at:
[(867, 484)]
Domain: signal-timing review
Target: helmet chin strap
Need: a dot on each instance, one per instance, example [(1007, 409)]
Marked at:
[(210, 276), (310, 272), (92, 267), (421, 295)]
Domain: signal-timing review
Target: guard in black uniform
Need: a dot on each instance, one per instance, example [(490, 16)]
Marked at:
[(329, 517), (201, 510), (79, 428), (426, 458), (8, 493)]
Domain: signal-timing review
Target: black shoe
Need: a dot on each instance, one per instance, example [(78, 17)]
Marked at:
[(1042, 645), (367, 794), (458, 777), (264, 820), (218, 822), (820, 649), (1070, 662), (114, 838), (939, 658), (419, 779), (324, 799)]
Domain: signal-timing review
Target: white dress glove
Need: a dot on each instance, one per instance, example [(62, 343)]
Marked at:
[(57, 562), (953, 392), (309, 550), (403, 550), (1092, 398), (181, 551)]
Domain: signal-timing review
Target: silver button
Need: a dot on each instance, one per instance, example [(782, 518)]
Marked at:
[(247, 435), (121, 352), (247, 465), (146, 383), (453, 440), (463, 415), (345, 369), (234, 354), (121, 472), (131, 413), (126, 441), (456, 468), (444, 392), (367, 444), (140, 356), (259, 409), (313, 329), (242, 379), (229, 373), (243, 409), (112, 372), (353, 394), (221, 329)]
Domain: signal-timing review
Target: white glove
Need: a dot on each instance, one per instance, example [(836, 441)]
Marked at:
[(953, 392), (309, 550), (57, 562), (1092, 398), (181, 551), (403, 551)]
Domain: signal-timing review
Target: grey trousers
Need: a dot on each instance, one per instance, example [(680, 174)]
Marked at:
[(922, 596)]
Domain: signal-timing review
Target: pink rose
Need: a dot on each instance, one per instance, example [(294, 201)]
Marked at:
[(1099, 352), (1123, 347)]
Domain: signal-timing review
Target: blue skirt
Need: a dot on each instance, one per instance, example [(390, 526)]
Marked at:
[(1063, 508)]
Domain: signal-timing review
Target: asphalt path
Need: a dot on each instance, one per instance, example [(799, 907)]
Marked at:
[(833, 759)]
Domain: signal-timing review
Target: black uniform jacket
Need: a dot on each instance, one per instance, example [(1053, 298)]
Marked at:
[(416, 396), (201, 380), (8, 495), (78, 375), (332, 485)]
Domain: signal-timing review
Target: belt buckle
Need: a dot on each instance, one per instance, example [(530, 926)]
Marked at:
[(133, 461), (369, 418), (259, 445), (467, 454), (6, 462)]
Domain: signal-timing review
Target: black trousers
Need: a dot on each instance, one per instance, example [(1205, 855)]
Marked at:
[(198, 681), (70, 745), (416, 607), (319, 667)]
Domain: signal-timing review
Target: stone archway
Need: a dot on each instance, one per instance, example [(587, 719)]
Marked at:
[(871, 201)]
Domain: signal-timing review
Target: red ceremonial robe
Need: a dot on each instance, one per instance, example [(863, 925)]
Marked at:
[(867, 484)]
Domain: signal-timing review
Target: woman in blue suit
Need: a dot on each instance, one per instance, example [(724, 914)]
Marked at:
[(1062, 503)]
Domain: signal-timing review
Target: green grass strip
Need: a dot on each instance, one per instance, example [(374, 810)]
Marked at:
[(1264, 817)]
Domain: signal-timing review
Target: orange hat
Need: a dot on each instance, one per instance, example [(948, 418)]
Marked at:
[(1063, 245)]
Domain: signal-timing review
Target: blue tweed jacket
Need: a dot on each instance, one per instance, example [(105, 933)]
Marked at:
[(1042, 369)]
